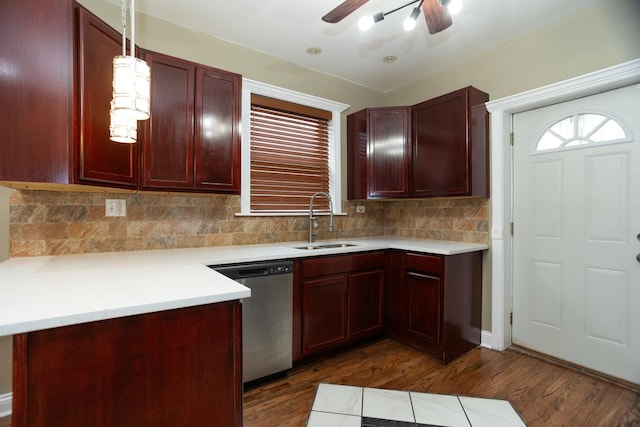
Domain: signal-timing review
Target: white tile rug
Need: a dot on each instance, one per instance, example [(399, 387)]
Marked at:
[(348, 406)]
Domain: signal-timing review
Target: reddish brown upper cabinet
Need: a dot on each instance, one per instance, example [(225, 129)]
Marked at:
[(339, 300), (450, 145), (54, 108), (167, 159), (192, 140), (100, 160), (378, 150), (436, 148)]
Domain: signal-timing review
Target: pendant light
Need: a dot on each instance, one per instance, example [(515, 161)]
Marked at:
[(131, 87)]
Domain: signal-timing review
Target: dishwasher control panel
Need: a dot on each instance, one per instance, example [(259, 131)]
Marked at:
[(256, 269)]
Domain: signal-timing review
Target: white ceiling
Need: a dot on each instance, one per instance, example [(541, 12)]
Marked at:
[(286, 28)]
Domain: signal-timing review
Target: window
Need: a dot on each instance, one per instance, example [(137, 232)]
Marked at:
[(582, 129), (290, 150)]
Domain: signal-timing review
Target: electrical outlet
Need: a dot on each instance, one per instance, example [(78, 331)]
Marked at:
[(360, 209), (115, 207)]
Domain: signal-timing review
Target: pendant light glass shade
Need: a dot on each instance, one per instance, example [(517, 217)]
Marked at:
[(131, 81), (131, 88), (122, 128)]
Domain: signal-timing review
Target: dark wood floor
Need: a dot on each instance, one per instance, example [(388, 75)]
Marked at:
[(545, 394)]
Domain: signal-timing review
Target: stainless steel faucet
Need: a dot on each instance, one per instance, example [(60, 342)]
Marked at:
[(313, 221)]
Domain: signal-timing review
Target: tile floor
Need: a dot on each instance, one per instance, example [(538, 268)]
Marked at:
[(348, 406)]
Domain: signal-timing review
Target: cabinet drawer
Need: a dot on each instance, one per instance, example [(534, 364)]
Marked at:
[(323, 266), (425, 263)]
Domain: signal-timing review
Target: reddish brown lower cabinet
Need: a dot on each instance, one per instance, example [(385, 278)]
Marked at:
[(178, 367), (365, 314), (339, 300), (435, 301), (424, 294), (324, 304)]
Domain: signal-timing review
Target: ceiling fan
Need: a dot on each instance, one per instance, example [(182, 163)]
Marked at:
[(435, 13)]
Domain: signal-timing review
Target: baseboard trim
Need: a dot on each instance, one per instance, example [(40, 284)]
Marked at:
[(5, 404), (485, 339)]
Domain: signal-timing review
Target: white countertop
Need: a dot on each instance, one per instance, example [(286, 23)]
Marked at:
[(45, 292)]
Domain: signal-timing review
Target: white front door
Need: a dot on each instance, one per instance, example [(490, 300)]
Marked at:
[(576, 197)]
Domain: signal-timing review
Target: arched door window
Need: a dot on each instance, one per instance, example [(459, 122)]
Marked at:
[(582, 129)]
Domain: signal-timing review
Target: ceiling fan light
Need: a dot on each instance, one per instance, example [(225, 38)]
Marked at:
[(453, 6), (410, 22), (366, 22)]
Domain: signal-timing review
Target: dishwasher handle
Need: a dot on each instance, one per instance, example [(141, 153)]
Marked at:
[(252, 272)]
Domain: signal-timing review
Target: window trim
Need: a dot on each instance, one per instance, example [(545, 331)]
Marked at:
[(335, 165)]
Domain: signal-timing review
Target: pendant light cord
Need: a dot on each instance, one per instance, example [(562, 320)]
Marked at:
[(132, 12), (124, 27)]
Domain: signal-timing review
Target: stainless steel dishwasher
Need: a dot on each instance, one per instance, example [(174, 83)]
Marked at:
[(267, 316)]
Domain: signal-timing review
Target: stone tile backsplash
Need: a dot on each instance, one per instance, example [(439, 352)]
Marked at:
[(55, 223)]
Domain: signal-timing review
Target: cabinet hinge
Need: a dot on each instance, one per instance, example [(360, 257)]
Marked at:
[(511, 138), (511, 229), (511, 318)]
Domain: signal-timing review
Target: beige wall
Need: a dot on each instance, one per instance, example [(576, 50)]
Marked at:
[(5, 194), (600, 36), (5, 364), (5, 342)]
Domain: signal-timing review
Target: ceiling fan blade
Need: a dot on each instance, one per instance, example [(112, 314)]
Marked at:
[(437, 16), (343, 10)]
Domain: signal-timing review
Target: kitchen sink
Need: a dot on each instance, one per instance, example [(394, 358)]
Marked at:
[(311, 247)]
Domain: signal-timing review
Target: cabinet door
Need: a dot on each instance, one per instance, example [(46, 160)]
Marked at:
[(36, 90), (424, 294), (167, 160), (217, 137), (440, 146), (450, 145), (395, 306), (115, 372), (388, 152), (365, 303), (324, 304), (357, 186), (100, 160)]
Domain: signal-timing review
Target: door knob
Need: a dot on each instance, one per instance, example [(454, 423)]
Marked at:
[(638, 257)]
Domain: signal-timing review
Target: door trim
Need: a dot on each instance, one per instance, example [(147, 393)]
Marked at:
[(502, 110)]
